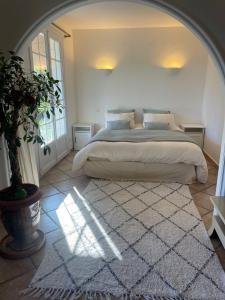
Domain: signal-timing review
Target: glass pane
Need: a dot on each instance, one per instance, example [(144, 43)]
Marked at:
[(60, 127), (57, 50), (52, 48), (47, 120), (59, 115), (43, 131), (59, 71), (54, 70), (43, 64), (42, 44), (35, 45), (49, 133), (36, 62), (41, 121), (60, 85)]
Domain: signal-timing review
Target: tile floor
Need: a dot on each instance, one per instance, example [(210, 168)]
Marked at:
[(55, 185)]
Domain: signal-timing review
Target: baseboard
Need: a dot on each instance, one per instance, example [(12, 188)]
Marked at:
[(55, 163), (211, 158)]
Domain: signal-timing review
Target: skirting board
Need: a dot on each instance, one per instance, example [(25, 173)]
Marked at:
[(54, 164), (211, 158)]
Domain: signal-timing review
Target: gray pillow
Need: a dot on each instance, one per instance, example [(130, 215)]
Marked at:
[(156, 125), (120, 111), (118, 124), (155, 111)]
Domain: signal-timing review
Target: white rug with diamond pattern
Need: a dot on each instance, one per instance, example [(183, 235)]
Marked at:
[(130, 240)]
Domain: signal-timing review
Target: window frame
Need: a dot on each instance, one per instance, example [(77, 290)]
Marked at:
[(56, 35)]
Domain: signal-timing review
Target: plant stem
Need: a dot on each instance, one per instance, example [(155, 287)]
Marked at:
[(16, 177)]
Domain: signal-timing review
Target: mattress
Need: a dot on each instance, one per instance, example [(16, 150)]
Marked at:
[(154, 172)]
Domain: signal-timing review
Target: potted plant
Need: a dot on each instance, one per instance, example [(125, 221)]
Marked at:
[(24, 99)]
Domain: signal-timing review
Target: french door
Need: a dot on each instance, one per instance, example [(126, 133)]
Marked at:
[(47, 54)]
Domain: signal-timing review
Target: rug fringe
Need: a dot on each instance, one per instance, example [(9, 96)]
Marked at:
[(70, 294)]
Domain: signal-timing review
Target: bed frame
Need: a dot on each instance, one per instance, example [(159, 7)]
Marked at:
[(138, 171)]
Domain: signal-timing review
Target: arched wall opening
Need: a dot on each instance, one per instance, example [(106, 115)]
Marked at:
[(191, 24)]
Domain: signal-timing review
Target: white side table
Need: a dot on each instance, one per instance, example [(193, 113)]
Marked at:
[(218, 219), (82, 133), (195, 131)]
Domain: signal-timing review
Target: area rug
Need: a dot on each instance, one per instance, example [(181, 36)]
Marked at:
[(130, 240)]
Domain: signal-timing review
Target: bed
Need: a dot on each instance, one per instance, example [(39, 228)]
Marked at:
[(144, 155)]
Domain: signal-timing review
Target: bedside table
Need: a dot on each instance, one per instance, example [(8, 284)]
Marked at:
[(195, 131), (218, 219), (82, 133)]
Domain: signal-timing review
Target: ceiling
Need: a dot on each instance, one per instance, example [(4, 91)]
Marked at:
[(116, 14)]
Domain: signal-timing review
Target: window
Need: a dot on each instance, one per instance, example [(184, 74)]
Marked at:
[(46, 55), (39, 53), (56, 67)]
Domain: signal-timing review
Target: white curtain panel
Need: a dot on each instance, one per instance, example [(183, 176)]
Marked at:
[(27, 161)]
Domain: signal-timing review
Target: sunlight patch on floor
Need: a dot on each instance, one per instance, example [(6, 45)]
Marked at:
[(76, 218)]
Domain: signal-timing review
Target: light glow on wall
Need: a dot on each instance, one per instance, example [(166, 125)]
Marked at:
[(105, 63), (173, 61)]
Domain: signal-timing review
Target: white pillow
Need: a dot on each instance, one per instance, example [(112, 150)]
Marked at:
[(160, 118), (120, 116)]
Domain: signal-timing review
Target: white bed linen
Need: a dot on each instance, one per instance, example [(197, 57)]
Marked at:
[(147, 152)]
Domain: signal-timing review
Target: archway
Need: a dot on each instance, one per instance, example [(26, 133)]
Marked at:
[(169, 9)]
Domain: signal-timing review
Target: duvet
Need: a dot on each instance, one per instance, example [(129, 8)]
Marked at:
[(147, 146)]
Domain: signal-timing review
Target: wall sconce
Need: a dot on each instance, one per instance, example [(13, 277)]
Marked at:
[(106, 71), (173, 62), (105, 64)]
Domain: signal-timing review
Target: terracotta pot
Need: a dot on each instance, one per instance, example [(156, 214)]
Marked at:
[(20, 219)]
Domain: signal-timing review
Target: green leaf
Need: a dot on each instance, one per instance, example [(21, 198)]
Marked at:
[(39, 139), (18, 142), (30, 138), (45, 151), (48, 114), (17, 58)]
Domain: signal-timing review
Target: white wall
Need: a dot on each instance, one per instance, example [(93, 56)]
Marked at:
[(213, 111), (138, 80)]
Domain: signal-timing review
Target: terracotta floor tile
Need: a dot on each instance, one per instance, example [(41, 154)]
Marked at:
[(57, 177), (221, 255), (198, 187), (46, 224), (50, 238), (11, 289), (207, 219), (211, 191), (213, 170), (53, 171), (203, 200), (52, 202), (43, 181), (79, 182), (64, 165), (212, 178), (202, 211), (74, 173), (48, 190), (192, 190), (13, 268), (70, 159)]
